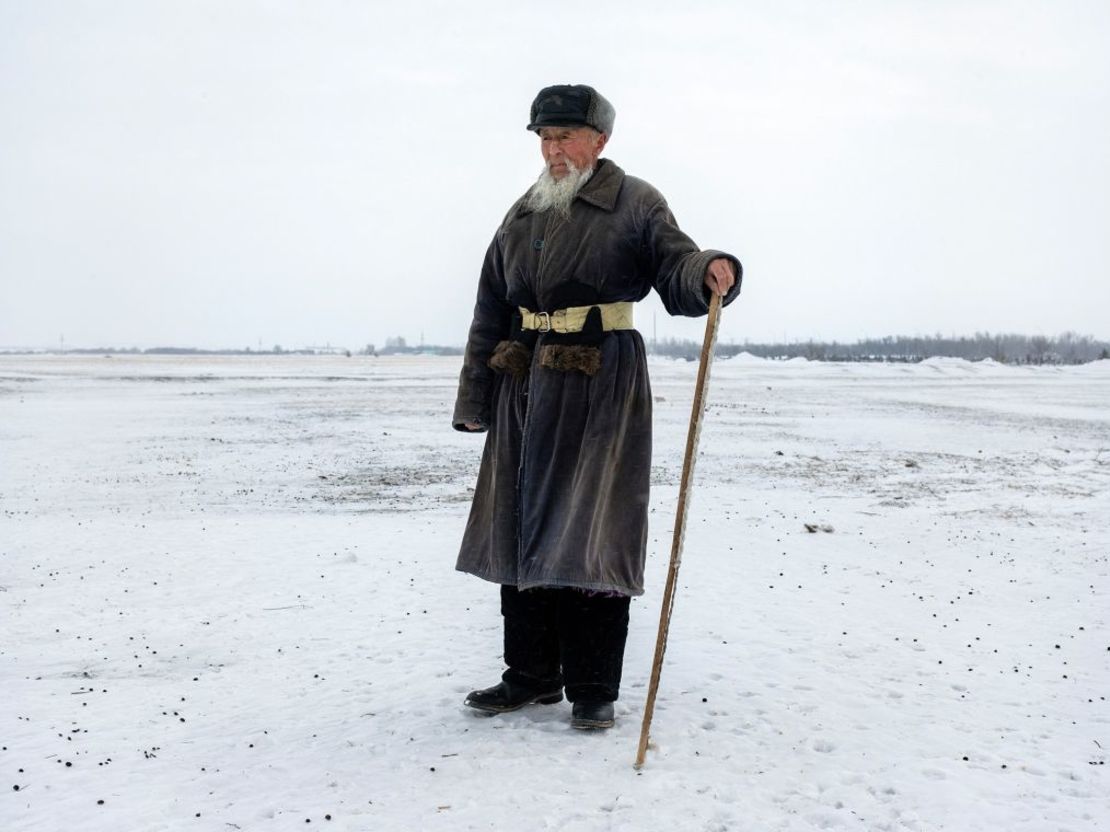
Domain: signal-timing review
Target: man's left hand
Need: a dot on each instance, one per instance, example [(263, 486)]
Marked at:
[(720, 276)]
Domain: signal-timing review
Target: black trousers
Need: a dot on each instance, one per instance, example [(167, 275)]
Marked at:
[(563, 636)]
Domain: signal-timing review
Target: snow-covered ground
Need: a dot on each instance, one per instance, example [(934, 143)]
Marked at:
[(228, 602)]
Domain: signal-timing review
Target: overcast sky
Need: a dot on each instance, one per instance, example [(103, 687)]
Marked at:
[(229, 174)]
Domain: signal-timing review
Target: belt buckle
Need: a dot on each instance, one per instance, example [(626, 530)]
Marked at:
[(545, 322)]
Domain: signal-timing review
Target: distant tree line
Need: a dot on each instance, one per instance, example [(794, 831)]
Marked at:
[(277, 350), (1067, 348), (393, 346), (397, 345)]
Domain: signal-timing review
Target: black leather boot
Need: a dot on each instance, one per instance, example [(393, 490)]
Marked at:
[(511, 696), (592, 716)]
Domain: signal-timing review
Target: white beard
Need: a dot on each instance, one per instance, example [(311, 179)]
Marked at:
[(557, 194)]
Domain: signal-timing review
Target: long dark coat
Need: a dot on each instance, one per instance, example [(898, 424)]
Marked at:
[(562, 493)]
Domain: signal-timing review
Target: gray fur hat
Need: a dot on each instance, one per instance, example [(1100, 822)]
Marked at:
[(569, 105)]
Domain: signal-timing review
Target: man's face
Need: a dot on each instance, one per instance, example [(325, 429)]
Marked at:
[(581, 146)]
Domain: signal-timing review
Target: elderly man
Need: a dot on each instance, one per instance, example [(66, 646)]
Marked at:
[(557, 375)]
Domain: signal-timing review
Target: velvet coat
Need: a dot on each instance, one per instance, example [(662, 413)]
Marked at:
[(562, 492)]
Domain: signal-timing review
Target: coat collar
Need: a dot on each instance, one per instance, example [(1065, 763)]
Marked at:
[(601, 191), (604, 185)]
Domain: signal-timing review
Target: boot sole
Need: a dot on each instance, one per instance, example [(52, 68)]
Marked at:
[(592, 724), (545, 699)]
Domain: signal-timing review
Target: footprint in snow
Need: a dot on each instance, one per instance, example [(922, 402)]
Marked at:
[(823, 746)]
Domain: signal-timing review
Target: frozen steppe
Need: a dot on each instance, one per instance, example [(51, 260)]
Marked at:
[(227, 601)]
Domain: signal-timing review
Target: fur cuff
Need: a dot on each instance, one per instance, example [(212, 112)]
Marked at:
[(566, 357), (511, 357)]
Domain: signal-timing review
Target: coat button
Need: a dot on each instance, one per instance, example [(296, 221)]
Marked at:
[(537, 244)]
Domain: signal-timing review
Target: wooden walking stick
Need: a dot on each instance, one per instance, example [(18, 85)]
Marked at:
[(700, 390)]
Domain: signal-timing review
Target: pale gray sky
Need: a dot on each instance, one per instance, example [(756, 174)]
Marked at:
[(222, 173)]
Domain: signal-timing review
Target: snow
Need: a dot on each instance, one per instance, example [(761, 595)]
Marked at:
[(946, 362), (745, 357), (228, 591)]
